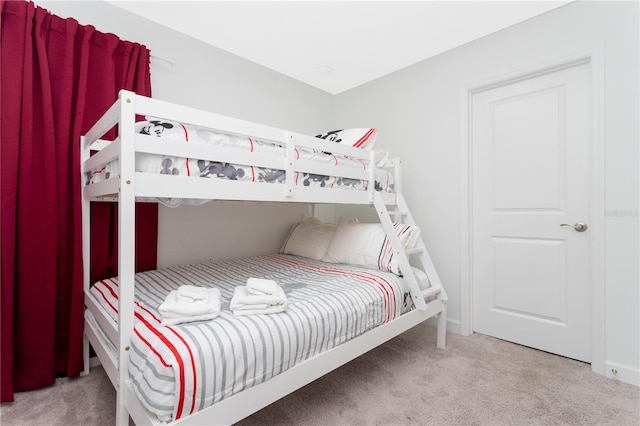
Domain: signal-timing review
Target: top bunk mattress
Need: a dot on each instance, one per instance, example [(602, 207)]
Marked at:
[(179, 369), (249, 148)]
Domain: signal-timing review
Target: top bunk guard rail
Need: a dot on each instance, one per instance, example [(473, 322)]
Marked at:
[(149, 185), (109, 152)]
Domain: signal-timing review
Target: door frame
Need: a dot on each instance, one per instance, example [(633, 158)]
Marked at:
[(594, 59)]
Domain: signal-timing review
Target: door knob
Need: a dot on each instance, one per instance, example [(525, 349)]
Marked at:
[(579, 227)]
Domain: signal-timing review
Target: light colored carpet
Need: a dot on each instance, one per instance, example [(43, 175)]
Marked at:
[(476, 380)]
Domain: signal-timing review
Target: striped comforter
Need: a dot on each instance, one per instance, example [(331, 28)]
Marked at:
[(177, 370)]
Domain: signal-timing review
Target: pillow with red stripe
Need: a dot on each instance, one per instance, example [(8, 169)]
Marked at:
[(366, 244), (358, 138)]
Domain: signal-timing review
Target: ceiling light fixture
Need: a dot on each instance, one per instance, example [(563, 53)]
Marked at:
[(325, 69)]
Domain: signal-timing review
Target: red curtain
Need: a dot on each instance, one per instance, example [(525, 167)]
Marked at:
[(57, 78)]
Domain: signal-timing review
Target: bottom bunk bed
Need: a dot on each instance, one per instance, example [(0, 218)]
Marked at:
[(221, 370)]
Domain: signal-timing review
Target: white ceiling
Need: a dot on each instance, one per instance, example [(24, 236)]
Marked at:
[(337, 45)]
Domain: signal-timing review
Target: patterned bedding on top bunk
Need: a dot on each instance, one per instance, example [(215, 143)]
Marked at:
[(171, 165), (177, 370)]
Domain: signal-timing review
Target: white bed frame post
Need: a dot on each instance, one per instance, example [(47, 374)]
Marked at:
[(126, 245), (290, 165), (371, 186), (86, 247)]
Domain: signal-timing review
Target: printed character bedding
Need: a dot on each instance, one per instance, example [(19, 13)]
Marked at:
[(172, 165), (177, 370)]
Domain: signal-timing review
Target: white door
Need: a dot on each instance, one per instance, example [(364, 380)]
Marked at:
[(531, 174)]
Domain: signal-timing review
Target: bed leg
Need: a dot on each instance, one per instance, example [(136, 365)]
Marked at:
[(85, 356), (442, 327), (122, 415)]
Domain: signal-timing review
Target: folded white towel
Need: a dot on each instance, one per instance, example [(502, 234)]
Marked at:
[(241, 300), (173, 308), (262, 287), (193, 294), (270, 310), (192, 318)]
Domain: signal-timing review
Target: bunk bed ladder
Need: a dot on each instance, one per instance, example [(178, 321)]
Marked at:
[(420, 295)]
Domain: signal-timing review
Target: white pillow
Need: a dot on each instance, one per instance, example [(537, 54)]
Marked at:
[(366, 244), (358, 138), (309, 239)]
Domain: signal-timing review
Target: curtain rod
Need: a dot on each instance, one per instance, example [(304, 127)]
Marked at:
[(158, 58)]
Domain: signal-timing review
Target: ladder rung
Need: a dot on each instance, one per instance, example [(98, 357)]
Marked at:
[(414, 250), (431, 291), (398, 212)]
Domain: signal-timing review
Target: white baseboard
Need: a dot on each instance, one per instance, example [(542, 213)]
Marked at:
[(612, 370), (94, 362), (624, 373), (453, 325)]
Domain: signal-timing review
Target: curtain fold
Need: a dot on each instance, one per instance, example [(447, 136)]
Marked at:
[(57, 78)]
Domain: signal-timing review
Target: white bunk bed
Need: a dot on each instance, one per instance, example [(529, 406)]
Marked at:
[(111, 335)]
